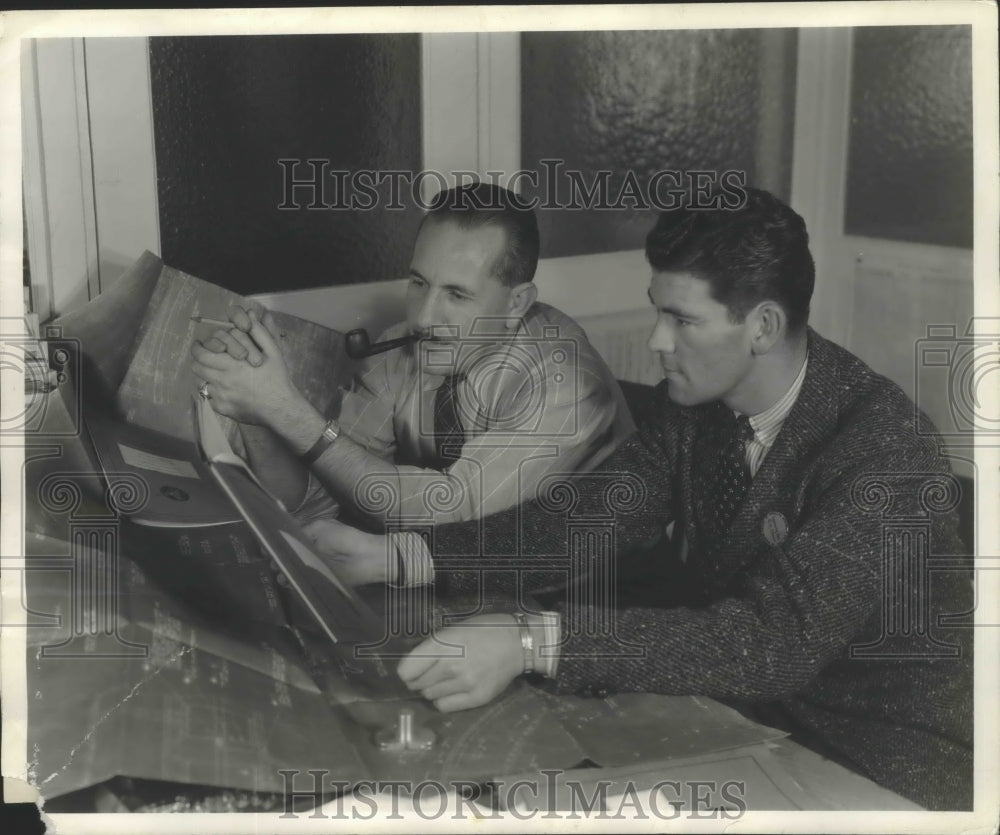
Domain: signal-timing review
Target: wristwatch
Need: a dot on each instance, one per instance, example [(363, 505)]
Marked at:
[(329, 434), (527, 642)]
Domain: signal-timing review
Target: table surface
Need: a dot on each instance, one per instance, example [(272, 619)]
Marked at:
[(247, 712)]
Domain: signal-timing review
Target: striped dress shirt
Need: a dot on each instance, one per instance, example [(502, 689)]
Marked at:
[(767, 424)]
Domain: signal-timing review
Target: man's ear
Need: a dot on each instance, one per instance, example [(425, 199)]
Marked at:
[(770, 324), (521, 298)]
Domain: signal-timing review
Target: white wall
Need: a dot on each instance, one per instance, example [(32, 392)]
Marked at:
[(88, 165), (125, 196), (874, 297), (58, 189)]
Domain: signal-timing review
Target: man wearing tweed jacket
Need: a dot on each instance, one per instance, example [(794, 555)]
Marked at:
[(790, 596)]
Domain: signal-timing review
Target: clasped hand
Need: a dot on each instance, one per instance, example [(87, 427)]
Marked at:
[(244, 368)]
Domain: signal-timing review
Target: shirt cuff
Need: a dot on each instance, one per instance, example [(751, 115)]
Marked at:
[(546, 633), (413, 558)]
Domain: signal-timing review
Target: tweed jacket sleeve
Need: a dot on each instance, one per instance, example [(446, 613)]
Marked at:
[(629, 494), (775, 615)]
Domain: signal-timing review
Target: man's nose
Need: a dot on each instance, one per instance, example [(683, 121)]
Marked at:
[(661, 339), (427, 314)]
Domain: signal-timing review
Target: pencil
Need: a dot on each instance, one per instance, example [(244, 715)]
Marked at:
[(207, 320)]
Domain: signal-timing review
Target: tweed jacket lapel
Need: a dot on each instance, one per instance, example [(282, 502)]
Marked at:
[(777, 488)]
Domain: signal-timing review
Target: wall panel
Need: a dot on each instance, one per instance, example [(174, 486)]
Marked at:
[(226, 109)]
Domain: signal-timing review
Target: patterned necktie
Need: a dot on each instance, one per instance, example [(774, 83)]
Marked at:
[(730, 480), (448, 429)]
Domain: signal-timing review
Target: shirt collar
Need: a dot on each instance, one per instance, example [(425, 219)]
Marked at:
[(767, 424)]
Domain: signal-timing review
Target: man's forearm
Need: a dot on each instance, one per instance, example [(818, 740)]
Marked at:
[(297, 422), (343, 465), (285, 477)]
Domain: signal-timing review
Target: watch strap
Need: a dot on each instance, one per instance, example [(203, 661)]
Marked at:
[(329, 434)]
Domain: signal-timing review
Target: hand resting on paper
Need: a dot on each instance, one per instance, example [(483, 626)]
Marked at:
[(240, 389), (465, 665)]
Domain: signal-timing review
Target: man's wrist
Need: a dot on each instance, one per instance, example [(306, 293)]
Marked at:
[(539, 635), (547, 642), (379, 551), (327, 437), (289, 414), (296, 420), (527, 641)]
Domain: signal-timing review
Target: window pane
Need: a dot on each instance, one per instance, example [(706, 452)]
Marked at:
[(646, 101), (909, 174), (226, 109)]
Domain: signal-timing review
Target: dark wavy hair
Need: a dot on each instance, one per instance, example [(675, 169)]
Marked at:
[(475, 205), (753, 253)]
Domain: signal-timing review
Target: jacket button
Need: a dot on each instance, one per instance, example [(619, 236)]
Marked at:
[(601, 692)]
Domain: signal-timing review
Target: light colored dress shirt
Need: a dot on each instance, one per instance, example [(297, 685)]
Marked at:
[(533, 401)]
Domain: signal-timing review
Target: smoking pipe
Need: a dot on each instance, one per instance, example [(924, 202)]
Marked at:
[(359, 345)]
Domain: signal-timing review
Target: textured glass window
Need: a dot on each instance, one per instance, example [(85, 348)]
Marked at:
[(226, 109), (909, 174), (642, 102)]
